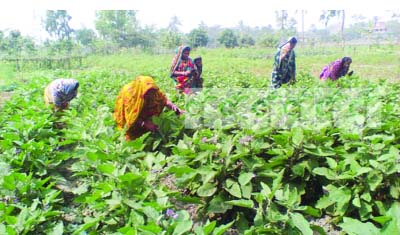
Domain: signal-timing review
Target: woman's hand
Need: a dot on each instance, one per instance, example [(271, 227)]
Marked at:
[(149, 125), (63, 105), (174, 108)]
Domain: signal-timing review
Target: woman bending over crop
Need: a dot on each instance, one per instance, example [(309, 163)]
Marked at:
[(284, 69), (60, 92), (336, 69), (137, 103)]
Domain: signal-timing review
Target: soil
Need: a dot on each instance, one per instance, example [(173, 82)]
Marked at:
[(4, 96), (325, 223)]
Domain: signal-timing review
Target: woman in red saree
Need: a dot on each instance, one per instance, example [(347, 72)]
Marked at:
[(182, 69)]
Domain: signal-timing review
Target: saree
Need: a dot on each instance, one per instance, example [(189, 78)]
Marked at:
[(182, 83), (137, 101), (284, 69), (60, 92), (334, 70)]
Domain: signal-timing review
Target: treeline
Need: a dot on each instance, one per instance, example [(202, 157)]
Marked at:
[(118, 29)]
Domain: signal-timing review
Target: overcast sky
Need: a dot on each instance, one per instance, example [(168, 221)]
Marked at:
[(26, 15)]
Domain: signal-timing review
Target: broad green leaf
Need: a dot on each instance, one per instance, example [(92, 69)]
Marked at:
[(209, 227), (382, 220), (221, 229), (241, 203), (233, 189), (378, 146), (180, 170), (374, 179), (356, 202), (217, 124), (324, 202), (393, 226), (259, 219), (245, 178), (106, 168), (332, 163), (88, 224), (10, 220), (301, 223), (274, 214), (9, 182), (247, 190), (298, 136), (265, 189), (395, 190), (150, 228), (328, 173), (366, 197), (353, 226), (318, 229), (130, 177), (276, 184), (363, 170), (206, 190), (299, 169), (309, 210), (319, 152), (182, 227), (58, 229), (365, 210), (218, 205)]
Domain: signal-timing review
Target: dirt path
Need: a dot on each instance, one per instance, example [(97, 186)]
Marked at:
[(4, 96)]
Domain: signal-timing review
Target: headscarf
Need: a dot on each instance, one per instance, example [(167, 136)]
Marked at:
[(285, 48), (177, 58), (69, 85), (131, 99), (199, 69), (61, 91), (346, 59)]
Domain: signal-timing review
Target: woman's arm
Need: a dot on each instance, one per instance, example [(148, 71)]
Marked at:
[(173, 107)]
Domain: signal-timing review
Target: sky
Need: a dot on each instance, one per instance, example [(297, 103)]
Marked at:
[(26, 15)]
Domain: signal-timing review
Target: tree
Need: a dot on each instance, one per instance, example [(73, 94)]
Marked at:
[(16, 44), (120, 26), (171, 37), (269, 40), (228, 38), (3, 43), (85, 36), (286, 25), (56, 24), (247, 40), (327, 15), (174, 24), (281, 19), (198, 37)]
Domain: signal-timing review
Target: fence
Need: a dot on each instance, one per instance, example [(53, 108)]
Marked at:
[(67, 62)]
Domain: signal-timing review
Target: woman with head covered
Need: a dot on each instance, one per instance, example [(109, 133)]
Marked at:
[(182, 69), (284, 70), (60, 92), (336, 69), (136, 104)]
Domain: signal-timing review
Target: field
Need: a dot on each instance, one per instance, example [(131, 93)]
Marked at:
[(314, 158)]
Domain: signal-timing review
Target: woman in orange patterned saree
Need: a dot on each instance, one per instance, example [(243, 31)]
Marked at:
[(137, 103)]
